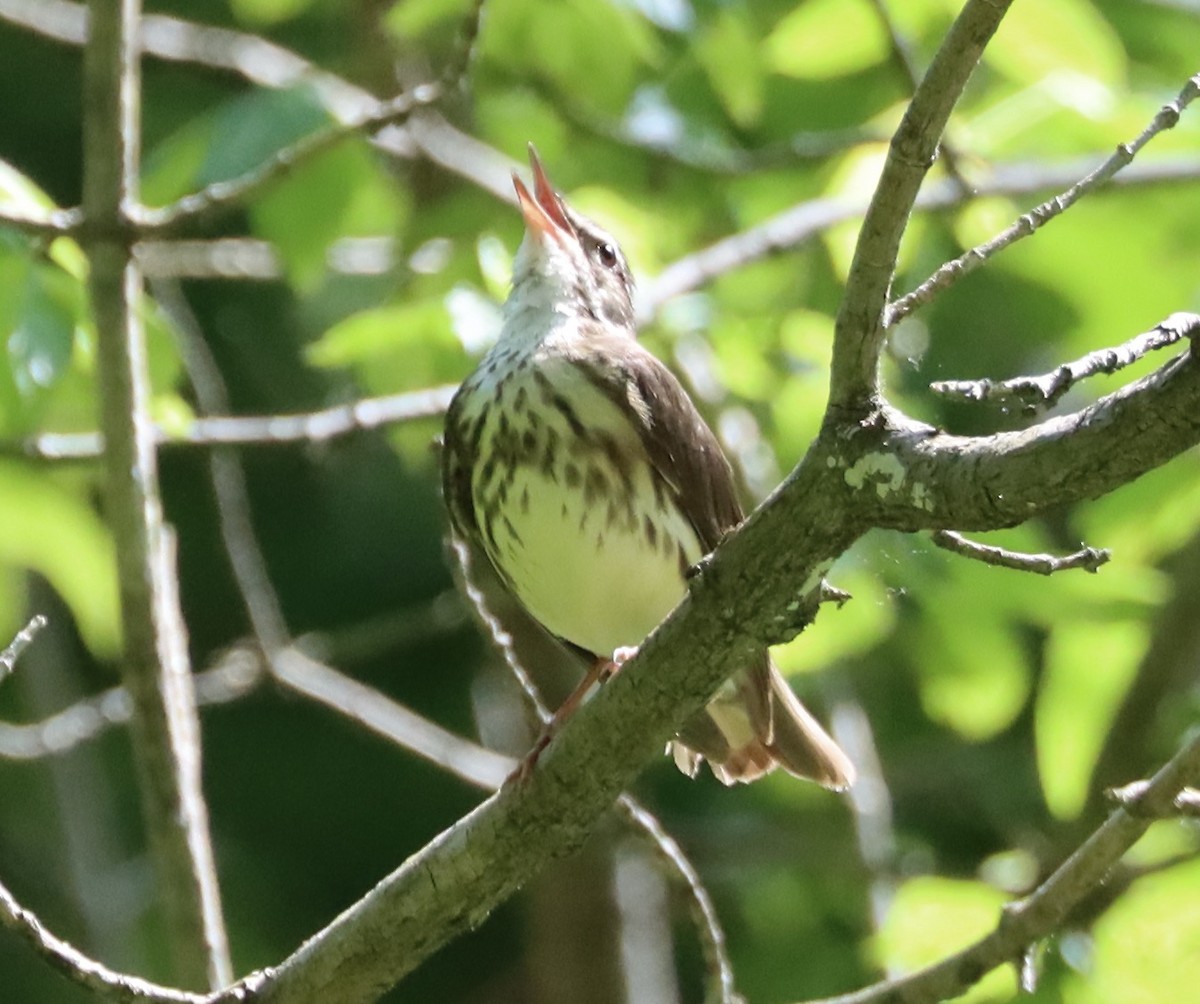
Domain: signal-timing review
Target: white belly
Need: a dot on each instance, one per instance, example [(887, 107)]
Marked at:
[(591, 567), (599, 584)]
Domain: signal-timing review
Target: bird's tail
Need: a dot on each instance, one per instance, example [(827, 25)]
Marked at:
[(754, 724)]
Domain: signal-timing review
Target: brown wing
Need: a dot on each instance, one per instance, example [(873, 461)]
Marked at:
[(683, 450), (685, 453)]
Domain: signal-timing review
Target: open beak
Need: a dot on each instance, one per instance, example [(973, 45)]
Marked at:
[(544, 212)]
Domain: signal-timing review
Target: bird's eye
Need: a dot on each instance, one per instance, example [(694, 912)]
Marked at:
[(606, 254)]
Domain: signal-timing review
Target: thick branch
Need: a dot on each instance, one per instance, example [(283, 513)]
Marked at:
[(859, 327), (154, 664), (925, 480)]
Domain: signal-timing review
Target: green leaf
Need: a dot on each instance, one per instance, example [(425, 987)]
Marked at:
[(930, 918), (1089, 667), (1057, 37), (1147, 944), (54, 531), (39, 345), (822, 39), (303, 214), (397, 347), (249, 130), (728, 50), (19, 193), (268, 12), (413, 18)]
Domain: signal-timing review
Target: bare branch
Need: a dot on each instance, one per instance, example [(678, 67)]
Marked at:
[(1132, 798), (257, 430), (1039, 393), (56, 223), (793, 227), (154, 659), (712, 937), (1036, 218), (1038, 915), (221, 195), (236, 675), (859, 329), (468, 761), (94, 977), (1088, 558), (22, 640)]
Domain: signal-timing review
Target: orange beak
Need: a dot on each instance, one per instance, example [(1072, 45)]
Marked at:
[(544, 212)]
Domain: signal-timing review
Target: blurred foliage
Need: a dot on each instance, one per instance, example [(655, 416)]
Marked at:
[(676, 122)]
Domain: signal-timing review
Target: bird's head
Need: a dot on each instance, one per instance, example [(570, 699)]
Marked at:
[(567, 262)]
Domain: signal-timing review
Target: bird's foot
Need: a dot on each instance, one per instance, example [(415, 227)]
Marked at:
[(602, 670)]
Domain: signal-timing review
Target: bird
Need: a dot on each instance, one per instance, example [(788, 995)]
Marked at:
[(576, 461)]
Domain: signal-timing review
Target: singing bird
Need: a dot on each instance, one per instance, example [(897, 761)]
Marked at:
[(579, 465)]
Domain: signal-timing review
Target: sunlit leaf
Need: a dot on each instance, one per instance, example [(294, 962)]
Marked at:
[(56, 533), (930, 918), (1054, 36), (1088, 669), (821, 39), (1147, 944), (729, 53)]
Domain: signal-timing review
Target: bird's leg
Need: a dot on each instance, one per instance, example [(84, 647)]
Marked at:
[(601, 671)]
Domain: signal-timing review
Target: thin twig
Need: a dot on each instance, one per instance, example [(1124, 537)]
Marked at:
[(1131, 798), (54, 223), (289, 666), (256, 430), (476, 765), (704, 914), (708, 925), (1034, 394), (1088, 558), (236, 675), (96, 978), (1166, 118), (22, 640), (219, 196)]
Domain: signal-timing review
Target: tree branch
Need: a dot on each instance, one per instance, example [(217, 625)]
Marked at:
[(256, 430), (22, 640), (104, 983), (1038, 915), (235, 676), (859, 328), (793, 227), (921, 479), (154, 664), (1088, 558), (1039, 393), (216, 198), (951, 272)]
